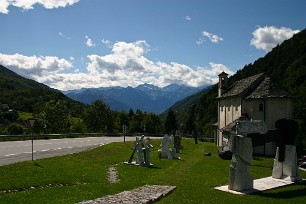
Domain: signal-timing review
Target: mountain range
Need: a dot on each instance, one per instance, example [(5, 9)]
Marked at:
[(145, 97)]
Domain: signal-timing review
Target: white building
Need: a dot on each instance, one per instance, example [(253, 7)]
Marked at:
[(255, 97)]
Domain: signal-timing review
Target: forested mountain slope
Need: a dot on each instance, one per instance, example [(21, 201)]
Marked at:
[(25, 94)]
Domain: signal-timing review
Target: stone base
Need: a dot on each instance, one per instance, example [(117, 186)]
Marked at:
[(259, 185), (134, 163)]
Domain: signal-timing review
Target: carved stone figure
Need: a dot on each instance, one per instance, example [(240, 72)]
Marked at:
[(139, 147), (147, 148), (168, 149), (285, 163), (240, 178), (164, 152), (172, 148), (287, 169)]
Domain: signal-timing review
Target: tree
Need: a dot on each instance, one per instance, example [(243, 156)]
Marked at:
[(121, 118), (190, 123), (13, 129), (78, 126), (152, 123), (131, 114), (171, 123), (136, 122), (56, 117), (98, 117)]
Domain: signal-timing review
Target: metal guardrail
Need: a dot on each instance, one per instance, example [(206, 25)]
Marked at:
[(55, 135), (37, 136)]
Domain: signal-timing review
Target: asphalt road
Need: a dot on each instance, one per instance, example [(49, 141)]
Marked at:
[(18, 151)]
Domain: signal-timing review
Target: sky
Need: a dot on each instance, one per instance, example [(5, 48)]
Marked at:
[(74, 44)]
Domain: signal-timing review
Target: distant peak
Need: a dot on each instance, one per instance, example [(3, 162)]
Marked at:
[(146, 86)]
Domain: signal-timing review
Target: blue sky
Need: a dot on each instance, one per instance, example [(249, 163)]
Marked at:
[(73, 44)]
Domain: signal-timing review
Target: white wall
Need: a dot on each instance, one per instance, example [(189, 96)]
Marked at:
[(274, 109), (229, 110)]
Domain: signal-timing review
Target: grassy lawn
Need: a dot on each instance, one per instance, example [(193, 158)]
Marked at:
[(82, 176), (25, 115)]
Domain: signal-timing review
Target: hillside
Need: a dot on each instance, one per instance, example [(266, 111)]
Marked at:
[(23, 94), (285, 64)]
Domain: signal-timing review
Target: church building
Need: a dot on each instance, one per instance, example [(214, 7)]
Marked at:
[(256, 97)]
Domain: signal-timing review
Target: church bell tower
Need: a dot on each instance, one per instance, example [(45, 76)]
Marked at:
[(222, 86)]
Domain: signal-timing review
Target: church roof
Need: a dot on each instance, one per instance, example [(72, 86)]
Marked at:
[(230, 127), (268, 89), (223, 74), (256, 87), (242, 86)]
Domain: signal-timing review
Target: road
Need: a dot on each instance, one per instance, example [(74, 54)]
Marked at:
[(18, 151)]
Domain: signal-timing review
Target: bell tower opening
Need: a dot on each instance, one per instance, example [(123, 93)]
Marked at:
[(222, 86)]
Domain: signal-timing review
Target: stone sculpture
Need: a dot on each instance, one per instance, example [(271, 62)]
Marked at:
[(147, 154), (240, 178), (173, 150), (139, 148), (285, 163), (168, 149)]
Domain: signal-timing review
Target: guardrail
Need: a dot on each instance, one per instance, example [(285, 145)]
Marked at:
[(40, 136), (47, 136)]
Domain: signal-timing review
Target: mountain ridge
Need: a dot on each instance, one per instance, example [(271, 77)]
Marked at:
[(25, 94), (145, 97)]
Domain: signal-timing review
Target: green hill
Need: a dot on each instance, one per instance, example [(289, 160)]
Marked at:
[(285, 64), (24, 94)]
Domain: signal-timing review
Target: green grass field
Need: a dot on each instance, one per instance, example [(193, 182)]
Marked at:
[(83, 176)]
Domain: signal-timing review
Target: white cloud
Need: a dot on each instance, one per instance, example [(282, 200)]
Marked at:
[(266, 38), (129, 67), (126, 65), (64, 36), (200, 41), (89, 42), (34, 67), (212, 37), (107, 43), (29, 4), (4, 4), (215, 70), (187, 18)]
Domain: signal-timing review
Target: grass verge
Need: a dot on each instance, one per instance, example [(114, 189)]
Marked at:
[(83, 176)]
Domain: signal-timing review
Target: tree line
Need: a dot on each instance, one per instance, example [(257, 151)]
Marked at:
[(55, 117)]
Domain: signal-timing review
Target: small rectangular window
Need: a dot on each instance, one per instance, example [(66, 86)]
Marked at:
[(261, 107), (228, 108), (236, 108)]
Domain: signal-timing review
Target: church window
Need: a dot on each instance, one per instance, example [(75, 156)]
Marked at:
[(261, 107)]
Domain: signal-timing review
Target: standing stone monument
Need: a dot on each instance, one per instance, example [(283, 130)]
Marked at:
[(164, 152), (240, 178), (168, 149), (173, 148), (285, 163), (147, 154), (139, 146), (138, 149)]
